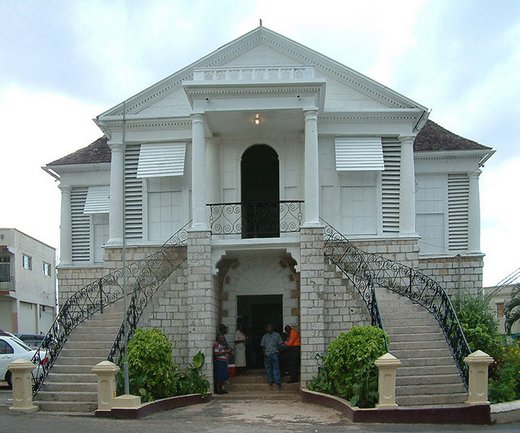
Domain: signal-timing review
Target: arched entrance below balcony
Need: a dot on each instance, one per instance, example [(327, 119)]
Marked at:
[(260, 180)]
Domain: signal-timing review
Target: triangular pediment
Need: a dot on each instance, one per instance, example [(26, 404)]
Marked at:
[(263, 47)]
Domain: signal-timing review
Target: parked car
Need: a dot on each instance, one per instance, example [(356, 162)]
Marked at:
[(11, 349), (32, 340)]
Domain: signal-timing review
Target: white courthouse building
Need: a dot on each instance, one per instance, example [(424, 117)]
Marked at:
[(260, 147)]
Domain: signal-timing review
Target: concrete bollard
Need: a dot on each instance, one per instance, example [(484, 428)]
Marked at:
[(106, 380), (387, 366), (478, 363), (22, 385)]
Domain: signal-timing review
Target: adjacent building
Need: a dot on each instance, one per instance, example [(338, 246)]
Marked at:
[(27, 283)]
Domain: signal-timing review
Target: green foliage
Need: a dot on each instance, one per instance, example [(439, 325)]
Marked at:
[(504, 385), (150, 364), (348, 369), (478, 323), (481, 329), (154, 375)]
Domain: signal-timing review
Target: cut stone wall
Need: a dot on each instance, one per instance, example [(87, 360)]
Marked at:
[(458, 273), (343, 307), (72, 279), (402, 250), (312, 300), (201, 299)]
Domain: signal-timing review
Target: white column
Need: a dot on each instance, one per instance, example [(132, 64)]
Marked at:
[(65, 227), (474, 213), (115, 221), (312, 178), (198, 173), (213, 171), (407, 187)]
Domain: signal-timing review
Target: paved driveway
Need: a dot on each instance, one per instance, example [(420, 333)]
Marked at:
[(220, 417)]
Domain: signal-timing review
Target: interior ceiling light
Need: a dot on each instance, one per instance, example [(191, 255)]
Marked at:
[(257, 119)]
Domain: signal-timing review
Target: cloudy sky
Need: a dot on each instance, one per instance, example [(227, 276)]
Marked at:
[(62, 62)]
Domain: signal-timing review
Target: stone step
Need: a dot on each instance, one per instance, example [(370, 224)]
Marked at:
[(70, 378), (68, 407), (435, 335), (428, 379), (410, 322), (79, 360), (429, 400), (442, 352), (102, 337), (87, 351), (418, 344), (102, 329), (75, 386), (431, 389), (81, 344), (398, 330), (67, 396), (265, 387), (72, 369), (422, 362), (424, 370), (248, 379)]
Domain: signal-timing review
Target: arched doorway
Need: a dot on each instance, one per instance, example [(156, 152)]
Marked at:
[(260, 192)]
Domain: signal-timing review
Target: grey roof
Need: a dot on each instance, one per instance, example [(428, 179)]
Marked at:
[(96, 152), (434, 138)]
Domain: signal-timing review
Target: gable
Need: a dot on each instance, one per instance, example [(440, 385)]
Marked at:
[(262, 47)]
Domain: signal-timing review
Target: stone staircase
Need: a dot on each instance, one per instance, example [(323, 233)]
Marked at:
[(252, 385), (428, 374), (71, 386)]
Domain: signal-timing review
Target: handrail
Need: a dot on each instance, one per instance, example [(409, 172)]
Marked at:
[(93, 298), (143, 291), (351, 261), (406, 281)]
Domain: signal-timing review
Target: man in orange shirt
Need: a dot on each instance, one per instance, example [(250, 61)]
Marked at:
[(293, 347)]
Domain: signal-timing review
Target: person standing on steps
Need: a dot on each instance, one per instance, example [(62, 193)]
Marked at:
[(293, 349), (220, 356), (271, 343), (240, 348)]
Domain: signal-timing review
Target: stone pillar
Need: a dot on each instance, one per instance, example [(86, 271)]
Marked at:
[(116, 215), (198, 173), (201, 298), (106, 384), (478, 363), (407, 187), (22, 385), (312, 175), (312, 302), (387, 366), (474, 213), (65, 227)]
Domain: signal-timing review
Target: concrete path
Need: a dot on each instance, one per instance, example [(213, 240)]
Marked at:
[(220, 417)]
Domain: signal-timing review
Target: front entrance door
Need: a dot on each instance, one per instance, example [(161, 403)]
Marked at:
[(256, 312), (260, 192)]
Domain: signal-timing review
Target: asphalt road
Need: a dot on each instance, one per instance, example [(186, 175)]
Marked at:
[(220, 416)]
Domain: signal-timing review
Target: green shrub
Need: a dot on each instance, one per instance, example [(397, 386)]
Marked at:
[(479, 324), (348, 369), (150, 364), (504, 384), (192, 380)]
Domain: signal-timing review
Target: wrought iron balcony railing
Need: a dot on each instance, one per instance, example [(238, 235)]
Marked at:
[(256, 219), (145, 274)]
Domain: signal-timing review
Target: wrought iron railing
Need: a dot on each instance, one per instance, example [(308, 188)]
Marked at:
[(148, 272), (256, 219), (404, 280), (352, 262)]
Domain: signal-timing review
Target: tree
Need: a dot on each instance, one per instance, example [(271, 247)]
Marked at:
[(512, 309)]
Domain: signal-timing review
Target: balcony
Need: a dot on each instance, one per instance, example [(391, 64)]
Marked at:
[(256, 219), (7, 284)]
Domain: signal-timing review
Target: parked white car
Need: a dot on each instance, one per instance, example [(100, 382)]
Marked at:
[(11, 349)]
